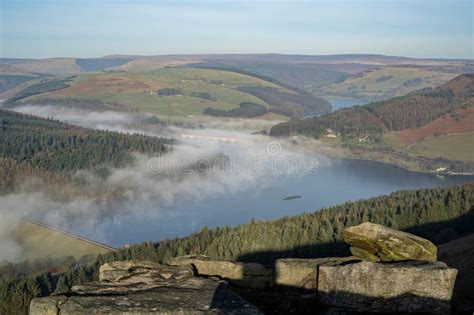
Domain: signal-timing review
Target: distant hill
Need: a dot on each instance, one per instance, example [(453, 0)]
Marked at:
[(177, 92), (361, 76), (375, 83), (99, 64), (401, 123)]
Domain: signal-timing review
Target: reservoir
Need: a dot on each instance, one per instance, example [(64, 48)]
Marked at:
[(339, 182), (343, 103), (158, 205)]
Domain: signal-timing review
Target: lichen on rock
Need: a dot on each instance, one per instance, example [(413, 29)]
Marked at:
[(371, 241)]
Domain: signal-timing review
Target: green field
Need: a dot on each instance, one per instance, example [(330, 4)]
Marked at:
[(36, 241), (137, 90), (386, 82), (458, 147)]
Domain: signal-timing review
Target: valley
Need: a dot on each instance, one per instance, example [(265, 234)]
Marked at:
[(411, 129), (236, 157), (125, 151), (176, 103)]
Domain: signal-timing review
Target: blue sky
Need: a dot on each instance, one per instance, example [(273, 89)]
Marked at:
[(67, 28)]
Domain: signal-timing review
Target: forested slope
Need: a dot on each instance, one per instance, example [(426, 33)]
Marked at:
[(411, 111), (51, 145)]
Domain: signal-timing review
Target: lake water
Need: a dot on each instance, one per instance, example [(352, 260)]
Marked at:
[(343, 103), (159, 205), (338, 104), (341, 181)]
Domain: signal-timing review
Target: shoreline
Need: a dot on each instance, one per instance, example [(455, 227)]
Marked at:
[(337, 151)]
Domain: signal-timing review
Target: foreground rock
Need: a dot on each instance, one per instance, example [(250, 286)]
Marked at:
[(303, 273), (395, 287), (249, 275), (135, 287), (132, 271), (194, 296), (374, 242)]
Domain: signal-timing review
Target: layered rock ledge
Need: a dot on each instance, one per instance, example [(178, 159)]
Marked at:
[(138, 287)]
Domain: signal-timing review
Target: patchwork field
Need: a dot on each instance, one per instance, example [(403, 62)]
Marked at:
[(138, 90)]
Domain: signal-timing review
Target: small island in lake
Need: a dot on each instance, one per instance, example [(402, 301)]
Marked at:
[(292, 197)]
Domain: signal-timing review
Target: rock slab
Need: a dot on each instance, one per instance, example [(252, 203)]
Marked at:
[(390, 287), (303, 273), (374, 242), (206, 296), (138, 287), (133, 271), (249, 275)]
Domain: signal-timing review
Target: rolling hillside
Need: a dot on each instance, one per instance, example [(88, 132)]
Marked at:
[(381, 83), (179, 92), (367, 77)]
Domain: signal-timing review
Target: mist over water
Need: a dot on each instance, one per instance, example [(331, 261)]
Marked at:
[(157, 189), (213, 177)]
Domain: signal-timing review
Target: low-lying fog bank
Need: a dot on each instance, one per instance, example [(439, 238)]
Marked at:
[(213, 176), (207, 163)]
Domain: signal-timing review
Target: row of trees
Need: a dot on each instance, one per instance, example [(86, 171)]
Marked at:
[(439, 214), (245, 110), (204, 96), (292, 104)]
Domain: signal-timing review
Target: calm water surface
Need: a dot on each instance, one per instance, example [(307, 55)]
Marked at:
[(341, 181), (229, 199), (343, 103)]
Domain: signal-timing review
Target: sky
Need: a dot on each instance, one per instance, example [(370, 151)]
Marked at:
[(93, 28)]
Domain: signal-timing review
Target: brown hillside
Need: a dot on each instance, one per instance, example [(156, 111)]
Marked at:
[(462, 86), (461, 121)]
